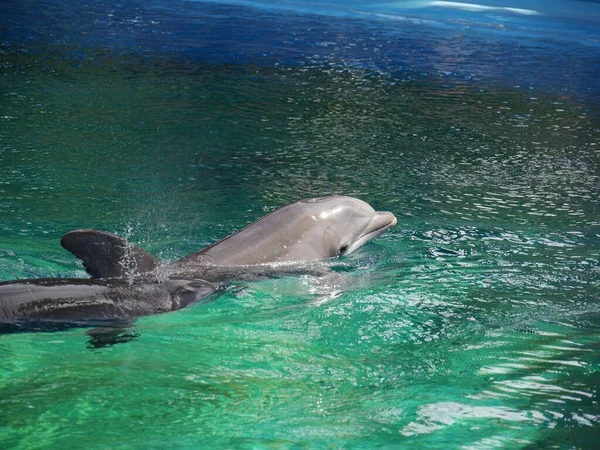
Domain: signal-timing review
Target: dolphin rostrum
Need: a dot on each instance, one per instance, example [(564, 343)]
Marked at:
[(128, 282)]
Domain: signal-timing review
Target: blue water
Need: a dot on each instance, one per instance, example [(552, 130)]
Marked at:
[(554, 45), (472, 324)]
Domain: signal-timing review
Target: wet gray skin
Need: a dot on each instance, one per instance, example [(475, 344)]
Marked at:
[(306, 230)]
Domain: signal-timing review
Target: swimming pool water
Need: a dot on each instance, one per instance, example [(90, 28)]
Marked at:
[(472, 324)]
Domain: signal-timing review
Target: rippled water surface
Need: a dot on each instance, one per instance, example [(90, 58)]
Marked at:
[(472, 324)]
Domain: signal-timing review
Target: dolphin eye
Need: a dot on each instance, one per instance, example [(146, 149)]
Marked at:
[(343, 249)]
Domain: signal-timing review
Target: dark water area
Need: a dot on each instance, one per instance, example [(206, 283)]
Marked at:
[(557, 50), (472, 324)]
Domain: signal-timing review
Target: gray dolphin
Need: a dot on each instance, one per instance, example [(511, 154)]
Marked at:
[(128, 282), (307, 230)]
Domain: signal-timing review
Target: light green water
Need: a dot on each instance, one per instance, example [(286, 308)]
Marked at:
[(473, 324)]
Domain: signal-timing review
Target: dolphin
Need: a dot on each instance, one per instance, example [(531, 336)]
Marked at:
[(307, 230), (128, 282)]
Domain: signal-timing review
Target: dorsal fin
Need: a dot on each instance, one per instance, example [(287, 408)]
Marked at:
[(105, 255)]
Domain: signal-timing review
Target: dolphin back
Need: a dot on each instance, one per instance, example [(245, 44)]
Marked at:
[(82, 300)]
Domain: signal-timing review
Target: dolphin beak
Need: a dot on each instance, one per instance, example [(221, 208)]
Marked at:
[(382, 221), (392, 218), (379, 224)]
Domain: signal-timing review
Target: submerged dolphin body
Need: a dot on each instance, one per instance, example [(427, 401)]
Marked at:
[(51, 304), (127, 282)]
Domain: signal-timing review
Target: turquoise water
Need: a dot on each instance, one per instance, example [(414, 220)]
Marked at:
[(472, 324)]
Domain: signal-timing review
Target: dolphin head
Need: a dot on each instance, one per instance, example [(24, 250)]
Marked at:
[(343, 224), (307, 230)]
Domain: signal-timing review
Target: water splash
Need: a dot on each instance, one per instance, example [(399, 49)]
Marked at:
[(128, 261)]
